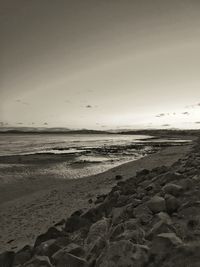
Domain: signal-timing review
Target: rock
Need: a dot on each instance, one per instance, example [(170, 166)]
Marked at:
[(118, 177), (187, 184), (129, 230), (76, 222), (60, 223), (131, 224), (122, 200), (47, 248), (184, 255), (163, 216), (116, 231), (98, 229), (143, 214), (162, 245), (23, 256), (118, 215), (136, 236), (38, 261), (171, 238), (52, 233), (158, 228), (7, 258), (172, 203), (134, 201), (62, 241), (100, 199), (73, 249), (95, 249), (172, 189), (123, 253), (62, 259), (151, 187), (127, 189), (160, 170), (96, 213), (156, 204), (142, 172), (90, 201), (169, 177)]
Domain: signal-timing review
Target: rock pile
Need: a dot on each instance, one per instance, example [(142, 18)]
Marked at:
[(152, 219)]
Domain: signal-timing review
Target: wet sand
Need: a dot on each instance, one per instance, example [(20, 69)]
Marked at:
[(29, 208)]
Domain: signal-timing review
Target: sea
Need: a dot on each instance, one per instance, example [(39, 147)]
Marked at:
[(68, 155)]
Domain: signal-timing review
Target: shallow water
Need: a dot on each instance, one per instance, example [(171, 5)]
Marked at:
[(89, 154), (25, 156), (18, 144)]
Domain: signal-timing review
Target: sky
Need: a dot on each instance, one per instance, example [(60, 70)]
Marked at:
[(100, 64)]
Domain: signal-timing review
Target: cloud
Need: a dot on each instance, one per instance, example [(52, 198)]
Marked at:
[(166, 125), (160, 115), (22, 102), (193, 106)]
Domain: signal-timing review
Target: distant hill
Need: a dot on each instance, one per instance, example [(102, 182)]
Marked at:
[(49, 130), (161, 132)]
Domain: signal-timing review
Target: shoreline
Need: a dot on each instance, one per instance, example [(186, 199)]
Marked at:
[(29, 215)]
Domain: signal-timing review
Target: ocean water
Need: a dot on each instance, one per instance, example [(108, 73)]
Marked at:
[(24, 156), (66, 155), (24, 144)]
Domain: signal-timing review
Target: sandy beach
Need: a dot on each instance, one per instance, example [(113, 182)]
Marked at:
[(29, 208)]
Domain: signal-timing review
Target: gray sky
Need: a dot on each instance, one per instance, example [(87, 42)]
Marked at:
[(100, 63)]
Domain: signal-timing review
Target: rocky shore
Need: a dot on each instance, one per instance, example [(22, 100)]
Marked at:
[(151, 219)]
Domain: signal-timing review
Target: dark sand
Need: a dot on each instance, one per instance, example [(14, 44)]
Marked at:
[(30, 207)]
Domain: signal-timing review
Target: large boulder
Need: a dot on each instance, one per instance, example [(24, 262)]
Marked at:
[(62, 259), (7, 258), (184, 255), (129, 230), (187, 184), (172, 203), (162, 246), (96, 213), (168, 177), (136, 236), (38, 261), (172, 189), (123, 253), (95, 249), (163, 216), (76, 222), (156, 204), (52, 233), (118, 215), (143, 214), (73, 249), (158, 228), (23, 256), (47, 248), (98, 229)]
